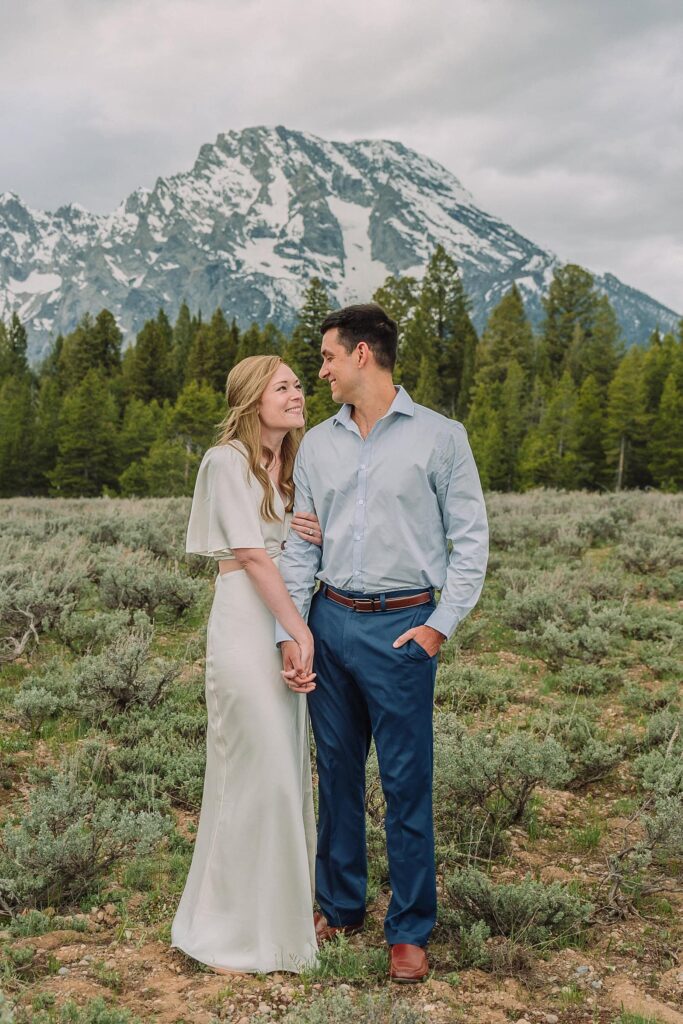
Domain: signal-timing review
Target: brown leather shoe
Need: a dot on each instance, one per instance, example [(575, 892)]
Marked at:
[(408, 963), (325, 931)]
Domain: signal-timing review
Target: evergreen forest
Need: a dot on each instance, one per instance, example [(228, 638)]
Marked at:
[(570, 406)]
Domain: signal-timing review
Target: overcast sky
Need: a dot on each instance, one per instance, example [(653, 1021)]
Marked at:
[(563, 117)]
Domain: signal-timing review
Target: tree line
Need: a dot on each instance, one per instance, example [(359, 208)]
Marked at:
[(568, 406)]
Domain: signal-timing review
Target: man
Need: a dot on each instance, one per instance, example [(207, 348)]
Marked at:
[(398, 497)]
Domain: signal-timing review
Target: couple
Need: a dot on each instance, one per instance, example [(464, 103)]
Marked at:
[(387, 508)]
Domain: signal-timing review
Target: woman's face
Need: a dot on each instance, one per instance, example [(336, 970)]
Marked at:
[(282, 403)]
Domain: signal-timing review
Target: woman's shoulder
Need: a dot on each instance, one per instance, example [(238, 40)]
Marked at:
[(232, 453)]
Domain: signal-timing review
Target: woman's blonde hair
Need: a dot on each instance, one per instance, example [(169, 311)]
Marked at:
[(247, 381)]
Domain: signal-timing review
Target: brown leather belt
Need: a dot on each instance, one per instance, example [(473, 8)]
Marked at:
[(375, 604)]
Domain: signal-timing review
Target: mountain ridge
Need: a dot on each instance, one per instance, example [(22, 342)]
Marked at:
[(260, 212)]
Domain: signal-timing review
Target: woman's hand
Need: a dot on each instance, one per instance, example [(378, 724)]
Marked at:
[(308, 528), (297, 663)]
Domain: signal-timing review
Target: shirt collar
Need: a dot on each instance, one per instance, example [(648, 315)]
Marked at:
[(402, 404)]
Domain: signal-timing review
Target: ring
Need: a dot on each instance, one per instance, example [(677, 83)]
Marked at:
[(310, 533)]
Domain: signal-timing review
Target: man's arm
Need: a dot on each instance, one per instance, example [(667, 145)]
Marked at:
[(300, 560), (464, 517)]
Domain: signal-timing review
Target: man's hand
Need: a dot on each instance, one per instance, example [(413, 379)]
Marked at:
[(298, 678), (428, 638)]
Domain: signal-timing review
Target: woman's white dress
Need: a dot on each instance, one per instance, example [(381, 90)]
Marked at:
[(248, 899)]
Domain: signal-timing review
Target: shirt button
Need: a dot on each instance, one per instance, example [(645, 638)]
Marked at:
[(360, 501), (356, 572), (362, 465), (357, 536)]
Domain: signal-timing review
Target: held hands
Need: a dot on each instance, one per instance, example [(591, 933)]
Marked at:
[(297, 663), (308, 528), (428, 638)]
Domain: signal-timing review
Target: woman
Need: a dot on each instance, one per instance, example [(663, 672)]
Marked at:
[(248, 899)]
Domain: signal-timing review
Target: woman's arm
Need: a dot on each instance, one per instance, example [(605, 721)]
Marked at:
[(263, 573)]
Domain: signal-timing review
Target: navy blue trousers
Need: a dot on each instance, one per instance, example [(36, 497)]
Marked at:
[(366, 688)]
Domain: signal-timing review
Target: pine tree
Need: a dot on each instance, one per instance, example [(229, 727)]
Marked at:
[(626, 421), (141, 426), (571, 301), (16, 433), (183, 333), (427, 391), (596, 347), (45, 449), (507, 336), (512, 422), (443, 324), (398, 297), (194, 419), (221, 351), (13, 348), (591, 464), (93, 345), (87, 439), (302, 353), (108, 340), (486, 435), (657, 365), (150, 373), (198, 364), (665, 442), (548, 453)]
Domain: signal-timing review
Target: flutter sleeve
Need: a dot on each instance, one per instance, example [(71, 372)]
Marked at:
[(225, 510)]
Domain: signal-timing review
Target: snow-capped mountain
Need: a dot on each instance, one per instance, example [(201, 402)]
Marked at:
[(262, 212)]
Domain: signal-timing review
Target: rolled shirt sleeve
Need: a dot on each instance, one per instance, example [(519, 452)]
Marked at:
[(463, 512), (300, 560)]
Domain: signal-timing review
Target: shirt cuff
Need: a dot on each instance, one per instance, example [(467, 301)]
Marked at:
[(281, 634), (443, 620)]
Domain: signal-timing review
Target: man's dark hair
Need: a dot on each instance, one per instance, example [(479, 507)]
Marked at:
[(369, 323)]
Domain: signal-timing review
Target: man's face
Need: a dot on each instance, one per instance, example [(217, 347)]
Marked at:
[(339, 367)]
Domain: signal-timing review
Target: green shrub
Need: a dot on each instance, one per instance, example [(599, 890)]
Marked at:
[(589, 755), (46, 695), (554, 643), (529, 912), (95, 1012), (461, 688), (591, 680), (67, 837), (85, 633), (33, 922), (645, 554), (137, 582), (123, 675), (483, 783), (363, 1008), (35, 588)]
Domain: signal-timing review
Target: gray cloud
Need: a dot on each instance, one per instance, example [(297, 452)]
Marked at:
[(563, 118)]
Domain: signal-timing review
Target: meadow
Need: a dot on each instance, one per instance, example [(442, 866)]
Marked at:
[(558, 777)]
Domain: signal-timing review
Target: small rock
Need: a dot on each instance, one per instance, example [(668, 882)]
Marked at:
[(582, 970), (263, 1008), (429, 1007), (343, 988), (522, 1020), (63, 971), (128, 933), (552, 1018), (100, 915), (597, 984)]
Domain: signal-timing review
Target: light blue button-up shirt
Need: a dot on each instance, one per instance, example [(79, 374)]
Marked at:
[(399, 510)]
